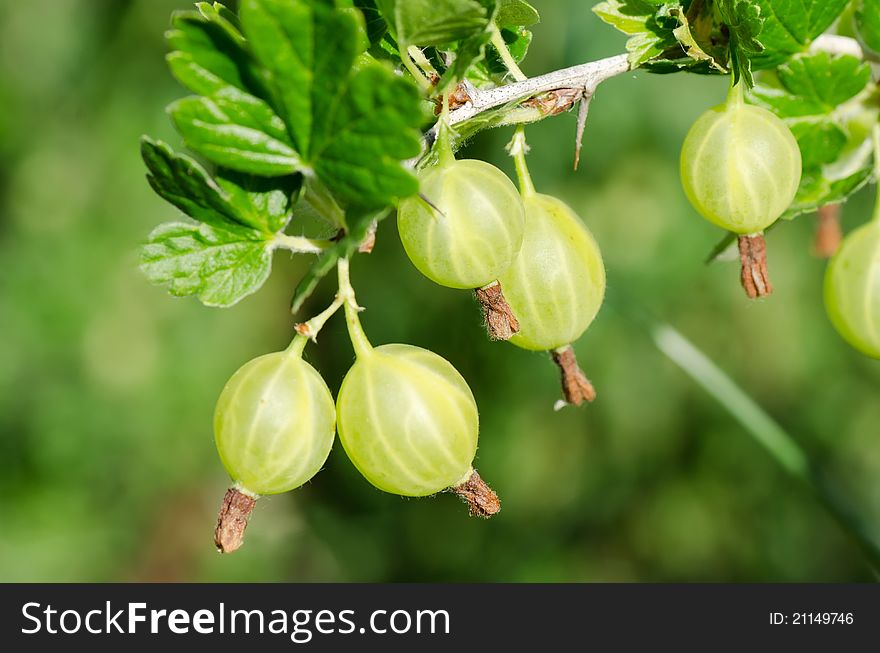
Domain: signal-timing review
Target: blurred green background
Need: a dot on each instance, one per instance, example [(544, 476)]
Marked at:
[(107, 385)]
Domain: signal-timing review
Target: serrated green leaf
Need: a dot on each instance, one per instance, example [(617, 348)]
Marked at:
[(218, 13), (308, 49), (230, 201), (365, 143), (351, 124), (469, 51), (820, 142), (688, 41), (375, 22), (236, 131), (868, 23), (744, 21), (208, 55), (433, 22), (825, 80), (791, 25), (516, 13), (649, 25), (263, 203), (219, 266), (824, 100), (493, 69), (359, 222)]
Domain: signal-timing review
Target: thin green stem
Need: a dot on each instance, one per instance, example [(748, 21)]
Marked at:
[(359, 341), (445, 153), (737, 95), (421, 60), (506, 57), (300, 245), (310, 329), (518, 148), (417, 74), (296, 346), (781, 446)]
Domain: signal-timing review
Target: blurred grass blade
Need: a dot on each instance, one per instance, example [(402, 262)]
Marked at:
[(778, 443), (714, 381)]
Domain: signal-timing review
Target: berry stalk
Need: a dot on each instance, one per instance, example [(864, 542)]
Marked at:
[(479, 497), (828, 231), (356, 334), (501, 323), (232, 521), (754, 276), (576, 387)]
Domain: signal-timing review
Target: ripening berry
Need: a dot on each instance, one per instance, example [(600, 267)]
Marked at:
[(740, 166), (852, 289), (557, 283), (408, 420), (466, 227), (274, 423)]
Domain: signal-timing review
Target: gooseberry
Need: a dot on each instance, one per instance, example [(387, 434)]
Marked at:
[(740, 166), (408, 420), (466, 226), (852, 289), (274, 425), (556, 285)]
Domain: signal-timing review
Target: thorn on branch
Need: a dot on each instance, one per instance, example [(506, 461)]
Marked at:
[(576, 387), (583, 111), (501, 323), (754, 275)]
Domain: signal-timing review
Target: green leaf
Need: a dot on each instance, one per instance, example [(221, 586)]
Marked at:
[(493, 69), (791, 25), (208, 55), (367, 139), (744, 22), (516, 13), (825, 101), (824, 81), (868, 23), (688, 41), (308, 50), (433, 22), (352, 125), (237, 131), (375, 22), (229, 202), (359, 224), (649, 25), (219, 266), (263, 203)]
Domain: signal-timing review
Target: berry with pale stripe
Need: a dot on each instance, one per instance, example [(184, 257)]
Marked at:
[(557, 283), (274, 426), (408, 421), (852, 289), (740, 166), (466, 226)]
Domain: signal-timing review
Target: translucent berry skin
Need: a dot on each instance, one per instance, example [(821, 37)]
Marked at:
[(408, 420), (478, 231), (740, 167), (852, 289), (557, 283), (274, 423)]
